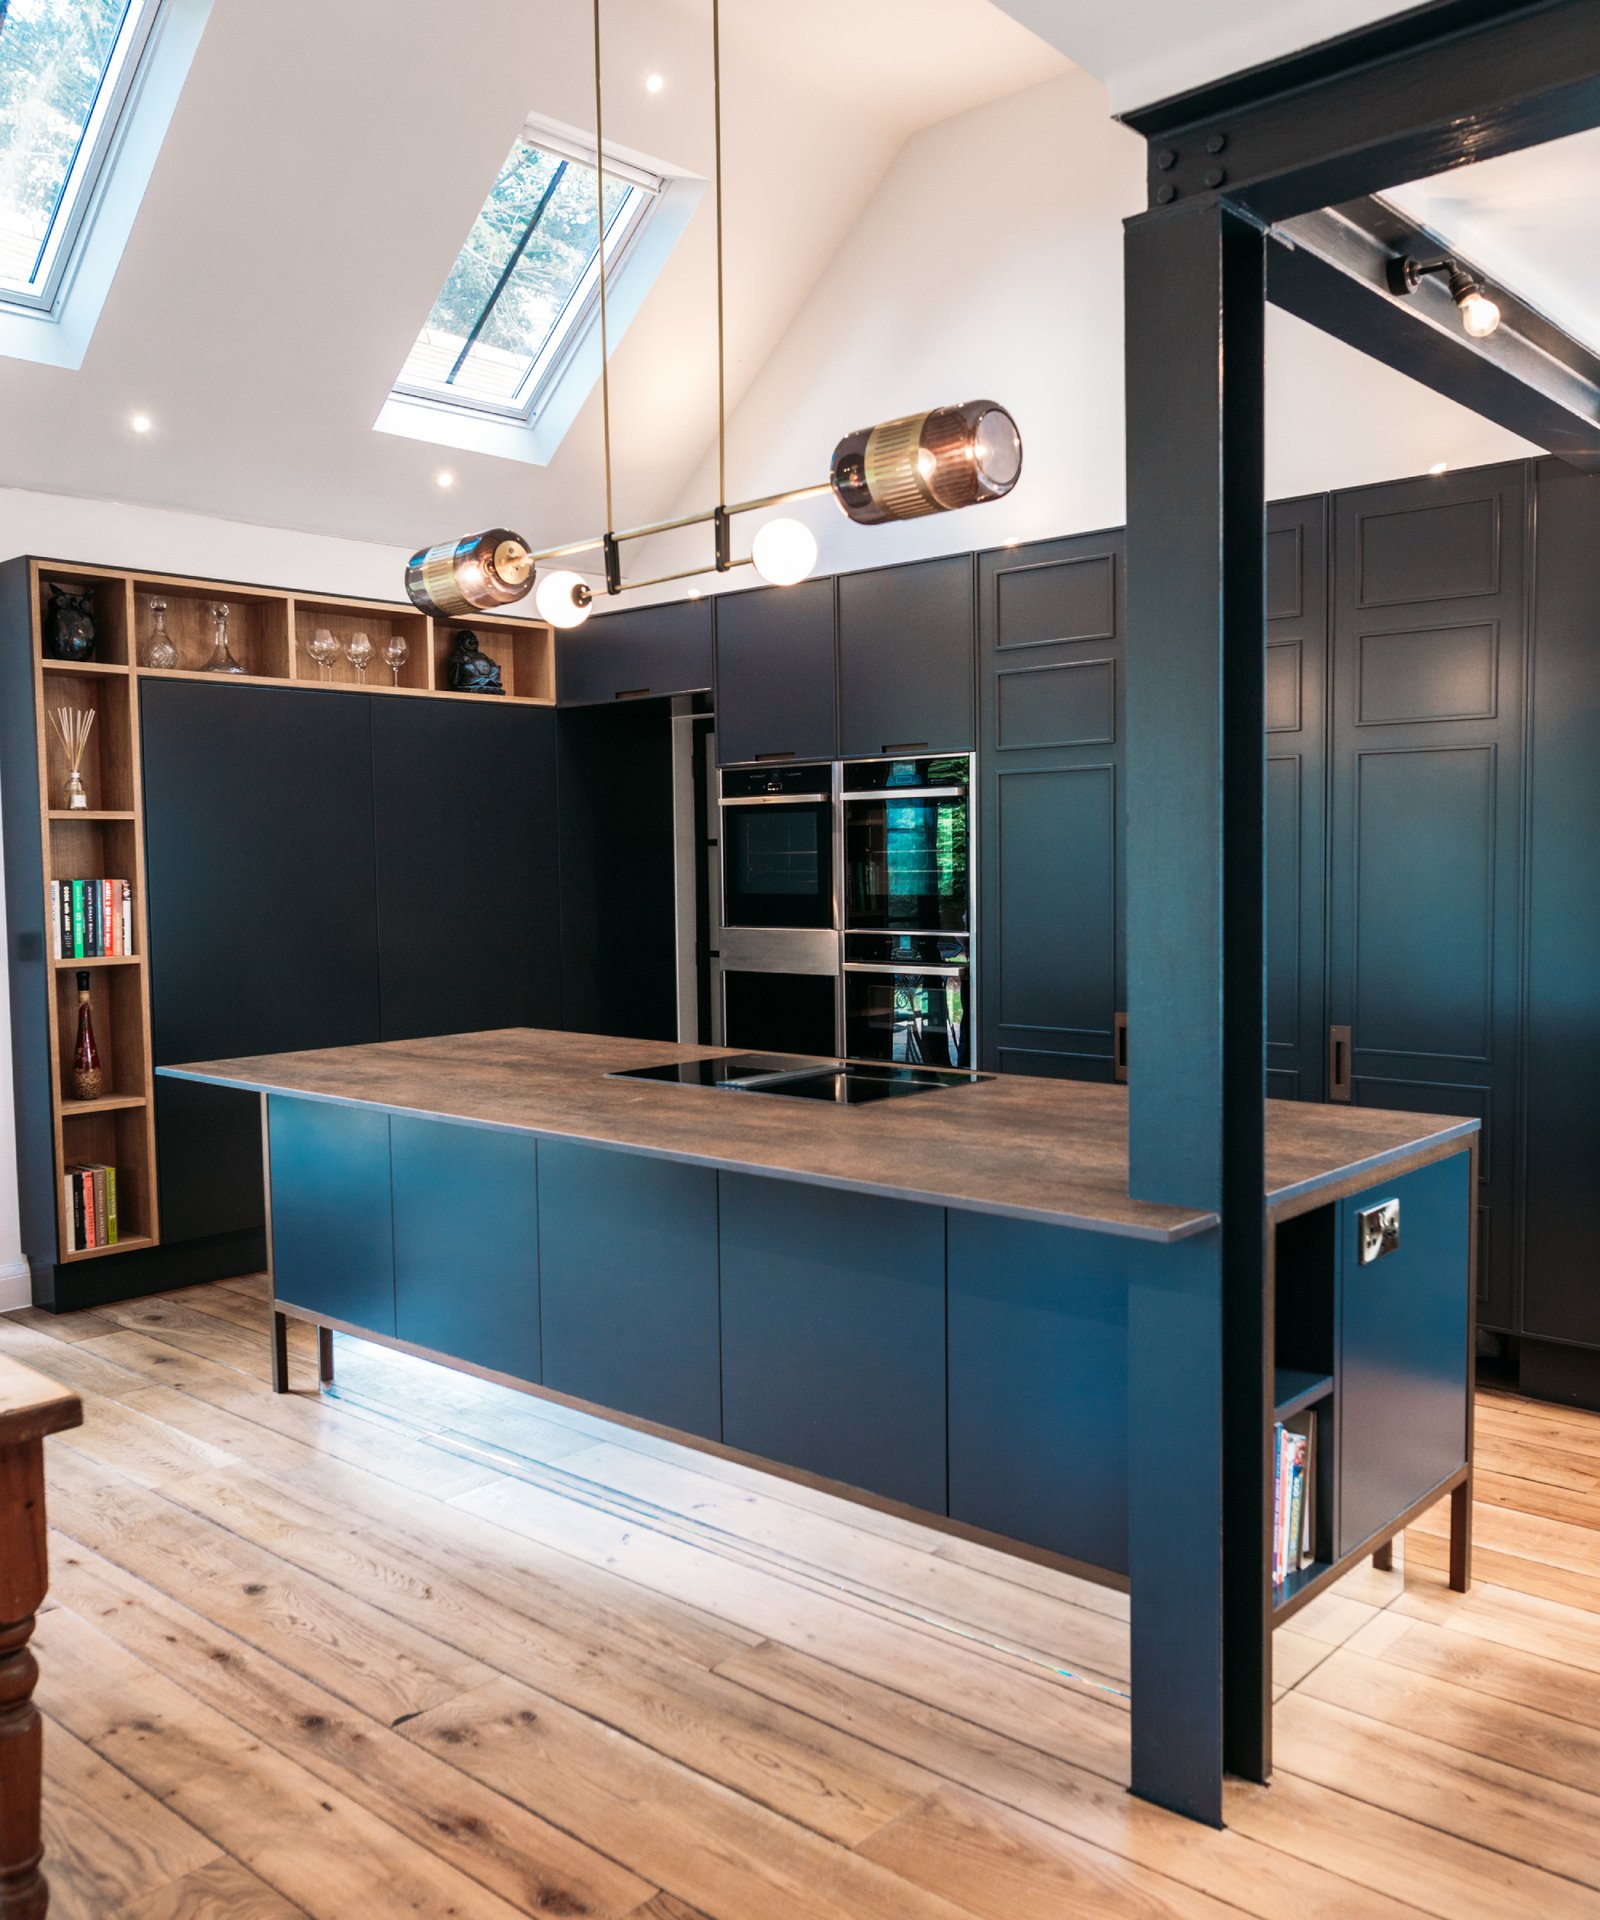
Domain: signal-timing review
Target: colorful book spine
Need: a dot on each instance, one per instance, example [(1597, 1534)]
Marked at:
[(77, 920), (127, 916), (86, 1204), (111, 1206)]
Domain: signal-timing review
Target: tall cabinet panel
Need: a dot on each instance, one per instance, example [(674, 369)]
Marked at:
[(468, 920), (1427, 695), (1050, 624), (906, 659), (1296, 822), (263, 937), (776, 692), (1561, 1276)]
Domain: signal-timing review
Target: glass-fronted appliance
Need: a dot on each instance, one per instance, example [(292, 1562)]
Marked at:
[(907, 845), (777, 847), (908, 998)]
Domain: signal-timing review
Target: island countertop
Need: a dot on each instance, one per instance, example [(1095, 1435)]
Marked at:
[(1030, 1149)]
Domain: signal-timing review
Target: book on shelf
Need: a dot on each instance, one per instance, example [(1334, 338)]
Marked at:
[(91, 1207), (91, 919), (1294, 1497)]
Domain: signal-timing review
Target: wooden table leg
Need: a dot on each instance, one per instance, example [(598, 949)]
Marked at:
[(24, 1894), (280, 1352), (325, 1355), (1383, 1559), (1461, 1537)]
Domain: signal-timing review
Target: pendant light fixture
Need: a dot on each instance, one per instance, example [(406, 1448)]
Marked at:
[(933, 462)]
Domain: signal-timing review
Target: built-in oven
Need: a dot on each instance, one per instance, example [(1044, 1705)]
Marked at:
[(908, 998), (777, 848), (908, 845)]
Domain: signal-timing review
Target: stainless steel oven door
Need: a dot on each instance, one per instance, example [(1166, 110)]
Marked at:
[(918, 1016)]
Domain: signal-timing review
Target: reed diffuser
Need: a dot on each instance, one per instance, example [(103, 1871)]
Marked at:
[(72, 726)]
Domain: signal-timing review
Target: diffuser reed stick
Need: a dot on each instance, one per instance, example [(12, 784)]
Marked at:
[(72, 726)]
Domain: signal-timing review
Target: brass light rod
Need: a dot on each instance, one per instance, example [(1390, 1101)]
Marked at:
[(687, 520)]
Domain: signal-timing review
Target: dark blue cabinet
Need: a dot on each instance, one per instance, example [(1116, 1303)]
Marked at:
[(628, 1284), (1402, 1371), (1039, 1385), (906, 659), (332, 1238), (466, 1243), (630, 656), (776, 694), (833, 1340)]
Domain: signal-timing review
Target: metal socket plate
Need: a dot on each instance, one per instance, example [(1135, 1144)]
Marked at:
[(1378, 1230)]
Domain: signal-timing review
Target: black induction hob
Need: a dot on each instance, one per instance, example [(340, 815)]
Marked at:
[(845, 1083)]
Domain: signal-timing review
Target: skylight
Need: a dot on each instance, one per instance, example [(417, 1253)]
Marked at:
[(525, 283), (66, 69)]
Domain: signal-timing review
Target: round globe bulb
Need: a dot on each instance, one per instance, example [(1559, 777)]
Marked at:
[(784, 552), (1479, 315), (563, 598)]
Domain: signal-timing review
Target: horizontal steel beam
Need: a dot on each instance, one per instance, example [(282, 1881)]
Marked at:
[(1437, 88), (1331, 269)]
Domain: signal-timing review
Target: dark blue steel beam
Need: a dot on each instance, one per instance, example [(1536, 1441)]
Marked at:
[(1196, 786)]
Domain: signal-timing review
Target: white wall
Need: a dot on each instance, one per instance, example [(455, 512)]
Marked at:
[(990, 263), (111, 534)]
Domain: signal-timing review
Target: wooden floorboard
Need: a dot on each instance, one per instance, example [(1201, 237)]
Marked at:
[(423, 1646)]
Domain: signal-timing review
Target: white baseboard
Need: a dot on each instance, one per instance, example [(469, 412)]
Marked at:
[(16, 1286)]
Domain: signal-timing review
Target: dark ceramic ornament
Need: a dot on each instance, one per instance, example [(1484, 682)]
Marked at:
[(470, 670), (69, 624)]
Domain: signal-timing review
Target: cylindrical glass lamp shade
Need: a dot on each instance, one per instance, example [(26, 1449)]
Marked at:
[(464, 576), (927, 463)]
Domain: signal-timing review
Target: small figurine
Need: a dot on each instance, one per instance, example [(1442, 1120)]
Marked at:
[(69, 624), (471, 671)]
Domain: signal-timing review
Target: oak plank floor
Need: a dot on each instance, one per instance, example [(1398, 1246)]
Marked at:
[(422, 1646)]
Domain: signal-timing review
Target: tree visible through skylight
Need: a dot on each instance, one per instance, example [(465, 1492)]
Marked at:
[(64, 70), (523, 281)]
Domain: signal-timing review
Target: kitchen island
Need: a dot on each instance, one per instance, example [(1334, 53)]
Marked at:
[(934, 1302)]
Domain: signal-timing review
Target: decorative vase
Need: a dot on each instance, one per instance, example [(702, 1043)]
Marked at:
[(88, 1082), (69, 624)]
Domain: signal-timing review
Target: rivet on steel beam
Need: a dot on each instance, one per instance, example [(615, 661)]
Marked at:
[(1215, 177), (1216, 143), (1166, 159), (1166, 192)]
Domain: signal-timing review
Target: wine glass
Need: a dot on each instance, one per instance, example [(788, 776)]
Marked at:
[(395, 651), (324, 649), (358, 651)]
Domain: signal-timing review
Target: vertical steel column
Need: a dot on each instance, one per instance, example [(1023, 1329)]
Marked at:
[(1195, 288)]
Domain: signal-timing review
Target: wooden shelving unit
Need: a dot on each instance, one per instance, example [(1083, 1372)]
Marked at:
[(269, 632)]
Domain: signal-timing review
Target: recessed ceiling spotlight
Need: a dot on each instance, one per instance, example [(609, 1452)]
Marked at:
[(694, 593), (445, 478), (654, 83), (1480, 315), (1440, 466), (1012, 542), (140, 423)]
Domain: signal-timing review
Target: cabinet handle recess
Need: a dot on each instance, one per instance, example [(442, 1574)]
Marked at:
[(904, 746), (786, 754), (1339, 1064), (1119, 1046), (631, 693)]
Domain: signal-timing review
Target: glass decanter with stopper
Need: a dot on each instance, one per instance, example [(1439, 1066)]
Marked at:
[(160, 650), (88, 1081), (221, 661)]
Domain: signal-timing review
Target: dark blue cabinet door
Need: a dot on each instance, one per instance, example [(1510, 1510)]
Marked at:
[(1039, 1385), (466, 1243), (628, 1284), (833, 1343), (1403, 1379), (627, 656), (332, 1241), (775, 674), (906, 658)]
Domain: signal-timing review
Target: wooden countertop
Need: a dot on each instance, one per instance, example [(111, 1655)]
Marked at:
[(1050, 1150)]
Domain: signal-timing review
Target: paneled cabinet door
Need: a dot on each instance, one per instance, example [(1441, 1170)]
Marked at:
[(1050, 955), (263, 924), (775, 674), (467, 866), (1425, 897), (629, 656), (1403, 1367), (906, 659)]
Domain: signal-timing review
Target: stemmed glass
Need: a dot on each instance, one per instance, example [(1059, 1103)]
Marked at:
[(324, 649), (358, 651), (395, 651)]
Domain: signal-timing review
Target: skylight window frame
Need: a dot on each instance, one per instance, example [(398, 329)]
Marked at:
[(91, 161), (571, 326)]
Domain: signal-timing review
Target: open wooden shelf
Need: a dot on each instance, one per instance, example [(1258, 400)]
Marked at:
[(380, 623), (258, 624), (102, 960), (524, 653), (91, 813)]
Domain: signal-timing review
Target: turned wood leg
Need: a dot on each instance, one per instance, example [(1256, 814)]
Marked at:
[(280, 1352), (325, 1355), (1461, 1538), (1383, 1559), (24, 1894)]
